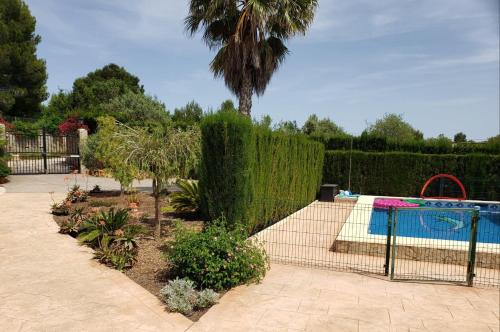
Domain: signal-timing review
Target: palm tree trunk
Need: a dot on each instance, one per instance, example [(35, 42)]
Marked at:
[(245, 94)]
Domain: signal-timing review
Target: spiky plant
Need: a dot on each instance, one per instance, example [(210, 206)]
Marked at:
[(188, 199), (250, 37)]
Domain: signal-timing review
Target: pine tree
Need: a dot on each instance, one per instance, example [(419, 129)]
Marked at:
[(22, 74)]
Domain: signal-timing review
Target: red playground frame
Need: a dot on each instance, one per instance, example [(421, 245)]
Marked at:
[(447, 176)]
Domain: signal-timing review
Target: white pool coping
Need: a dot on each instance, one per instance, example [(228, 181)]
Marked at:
[(359, 221)]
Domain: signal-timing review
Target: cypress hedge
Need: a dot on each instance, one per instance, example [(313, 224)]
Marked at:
[(252, 175), (404, 174), (371, 143)]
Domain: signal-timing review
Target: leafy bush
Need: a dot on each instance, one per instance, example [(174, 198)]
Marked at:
[(216, 257), (247, 171), (105, 224), (4, 170), (27, 128), (188, 199), (180, 296), (404, 174)]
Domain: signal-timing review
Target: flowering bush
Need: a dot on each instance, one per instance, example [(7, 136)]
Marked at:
[(216, 258), (70, 126)]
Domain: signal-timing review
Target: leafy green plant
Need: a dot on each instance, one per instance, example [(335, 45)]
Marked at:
[(181, 296), (188, 199), (113, 237), (108, 224), (216, 258)]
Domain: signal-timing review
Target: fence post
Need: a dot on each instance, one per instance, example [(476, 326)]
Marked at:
[(82, 138), (393, 246), (388, 242), (472, 247)]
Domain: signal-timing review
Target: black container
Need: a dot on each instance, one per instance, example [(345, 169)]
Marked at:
[(327, 192)]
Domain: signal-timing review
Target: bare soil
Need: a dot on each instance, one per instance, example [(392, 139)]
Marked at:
[(151, 270)]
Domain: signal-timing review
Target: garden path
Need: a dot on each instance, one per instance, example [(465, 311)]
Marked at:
[(50, 283), (292, 299)]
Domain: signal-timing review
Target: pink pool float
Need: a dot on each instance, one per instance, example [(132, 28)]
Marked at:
[(385, 203)]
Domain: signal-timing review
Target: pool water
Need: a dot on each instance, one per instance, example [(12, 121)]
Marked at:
[(439, 224)]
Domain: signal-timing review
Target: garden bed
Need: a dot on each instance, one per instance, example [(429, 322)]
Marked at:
[(151, 270)]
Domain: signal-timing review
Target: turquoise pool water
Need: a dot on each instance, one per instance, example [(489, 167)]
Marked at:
[(440, 224)]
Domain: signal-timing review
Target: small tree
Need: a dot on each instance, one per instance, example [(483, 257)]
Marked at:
[(394, 127), (162, 155), (325, 126), (460, 138), (103, 147)]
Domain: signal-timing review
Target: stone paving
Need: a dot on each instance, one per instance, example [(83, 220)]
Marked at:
[(50, 283), (292, 298)]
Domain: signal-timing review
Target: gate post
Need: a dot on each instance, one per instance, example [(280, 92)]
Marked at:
[(472, 247), (82, 138), (3, 132), (388, 242), (44, 151)]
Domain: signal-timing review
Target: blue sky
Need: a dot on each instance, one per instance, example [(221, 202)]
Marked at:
[(434, 61)]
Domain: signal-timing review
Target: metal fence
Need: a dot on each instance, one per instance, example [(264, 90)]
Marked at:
[(452, 245), (43, 153)]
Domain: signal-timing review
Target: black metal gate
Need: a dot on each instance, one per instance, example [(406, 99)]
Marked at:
[(43, 153)]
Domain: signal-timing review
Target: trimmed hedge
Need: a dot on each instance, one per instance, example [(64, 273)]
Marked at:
[(371, 143), (252, 175), (404, 174)]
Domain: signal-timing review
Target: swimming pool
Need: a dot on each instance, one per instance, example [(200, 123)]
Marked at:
[(453, 224)]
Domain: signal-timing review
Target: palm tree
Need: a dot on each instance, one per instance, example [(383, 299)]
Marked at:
[(250, 38)]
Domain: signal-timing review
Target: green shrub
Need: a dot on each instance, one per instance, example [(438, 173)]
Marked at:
[(250, 174), (404, 174), (26, 128), (181, 296), (373, 143), (216, 258), (4, 169), (188, 199)]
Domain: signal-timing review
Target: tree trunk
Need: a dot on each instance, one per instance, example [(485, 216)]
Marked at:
[(245, 94), (156, 194)]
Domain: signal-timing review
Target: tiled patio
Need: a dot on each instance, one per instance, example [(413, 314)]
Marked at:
[(301, 299)]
